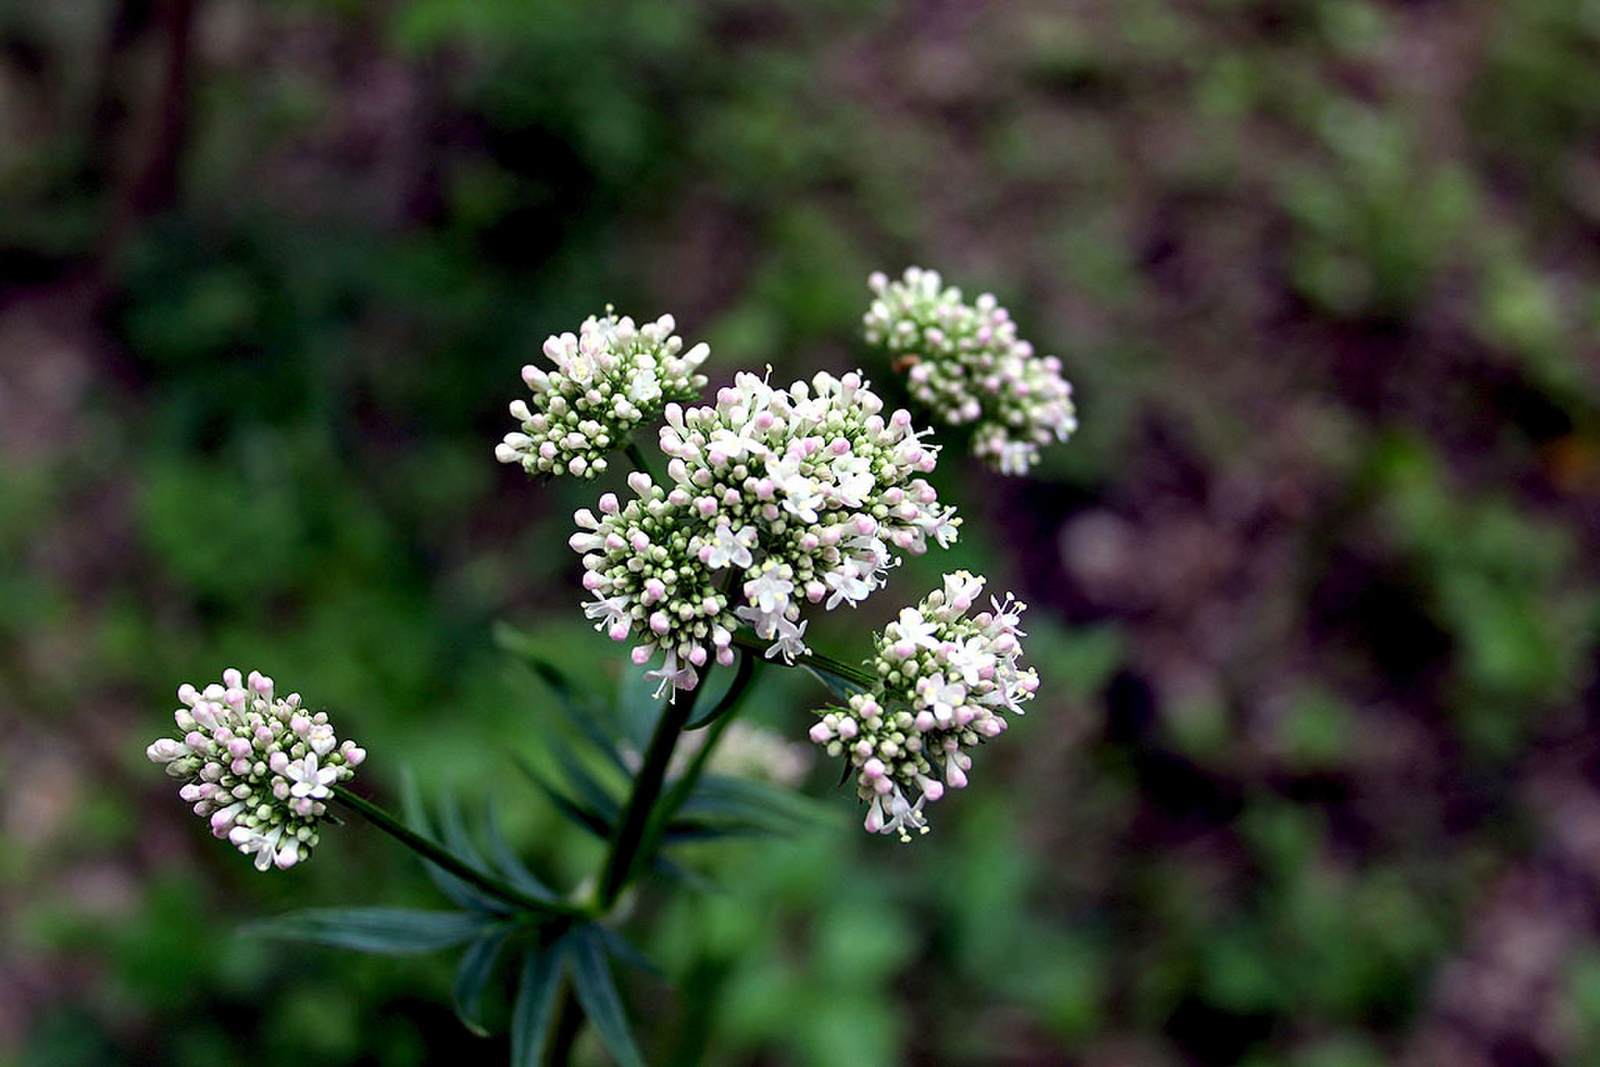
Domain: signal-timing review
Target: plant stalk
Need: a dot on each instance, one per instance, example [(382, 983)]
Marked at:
[(636, 457), (686, 782), (623, 854), (747, 639), (443, 857)]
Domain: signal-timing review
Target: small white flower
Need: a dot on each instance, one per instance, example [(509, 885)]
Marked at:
[(731, 548), (306, 780), (790, 640), (941, 697), (673, 675), (961, 589), (612, 611), (769, 592), (645, 386), (916, 630), (728, 444), (848, 584), (970, 658)]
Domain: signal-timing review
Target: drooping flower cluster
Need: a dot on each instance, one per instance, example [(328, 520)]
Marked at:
[(945, 681), (607, 380), (965, 363), (256, 765), (777, 497)]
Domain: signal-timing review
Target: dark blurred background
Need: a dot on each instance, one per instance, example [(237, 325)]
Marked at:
[(1315, 779)]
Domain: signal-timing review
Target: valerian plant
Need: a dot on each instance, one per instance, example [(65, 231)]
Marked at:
[(772, 504)]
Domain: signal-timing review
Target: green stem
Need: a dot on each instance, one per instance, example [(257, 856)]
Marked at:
[(443, 857), (623, 854), (636, 457), (747, 639), (686, 782)]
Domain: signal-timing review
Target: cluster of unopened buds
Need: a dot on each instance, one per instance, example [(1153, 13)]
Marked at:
[(776, 496), (965, 364), (608, 378), (257, 766), (944, 683)]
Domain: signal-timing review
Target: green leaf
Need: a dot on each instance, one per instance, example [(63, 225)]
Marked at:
[(840, 686), (689, 831), (591, 980), (453, 827), (743, 800), (595, 796), (624, 950), (386, 930), (578, 705), (534, 1009), (472, 977), (574, 811), (638, 710), (460, 893), (505, 858), (682, 875)]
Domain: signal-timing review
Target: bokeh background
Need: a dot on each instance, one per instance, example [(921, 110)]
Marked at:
[(1315, 776)]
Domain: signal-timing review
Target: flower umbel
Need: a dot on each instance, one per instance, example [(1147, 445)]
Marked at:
[(256, 765), (945, 680), (965, 363), (608, 378), (776, 497)]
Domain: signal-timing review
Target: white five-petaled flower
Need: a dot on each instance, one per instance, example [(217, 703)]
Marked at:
[(790, 640), (612, 611), (307, 780), (769, 591), (731, 548), (848, 585), (673, 674), (916, 630)]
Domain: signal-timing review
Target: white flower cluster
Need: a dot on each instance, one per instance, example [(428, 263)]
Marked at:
[(783, 496), (966, 364), (256, 765), (608, 379), (944, 682)]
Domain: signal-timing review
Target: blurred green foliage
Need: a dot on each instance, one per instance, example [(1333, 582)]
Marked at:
[(1225, 217)]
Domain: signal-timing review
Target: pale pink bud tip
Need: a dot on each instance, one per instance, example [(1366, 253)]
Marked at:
[(164, 750)]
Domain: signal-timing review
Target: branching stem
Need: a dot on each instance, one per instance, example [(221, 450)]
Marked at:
[(746, 639)]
